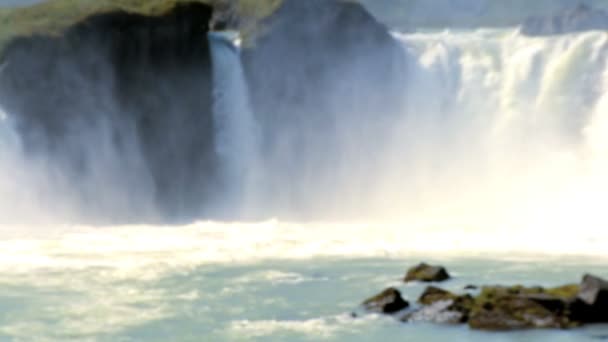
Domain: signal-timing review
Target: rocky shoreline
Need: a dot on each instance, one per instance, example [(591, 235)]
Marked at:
[(495, 307)]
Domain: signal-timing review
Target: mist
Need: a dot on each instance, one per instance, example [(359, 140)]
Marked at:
[(487, 127)]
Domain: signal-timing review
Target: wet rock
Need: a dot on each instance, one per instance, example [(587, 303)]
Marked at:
[(441, 306), (517, 307), (426, 273), (591, 303), (388, 301), (434, 294), (471, 287), (439, 312)]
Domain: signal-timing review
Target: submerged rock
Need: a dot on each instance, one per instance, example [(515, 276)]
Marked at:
[(503, 308), (426, 273), (388, 301)]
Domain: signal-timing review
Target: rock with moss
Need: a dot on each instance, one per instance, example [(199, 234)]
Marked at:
[(54, 17), (434, 294), (441, 306), (427, 273), (388, 301), (518, 307)]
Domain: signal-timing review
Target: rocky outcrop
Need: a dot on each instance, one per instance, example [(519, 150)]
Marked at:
[(581, 18), (503, 308), (442, 307), (427, 273), (511, 308), (388, 301)]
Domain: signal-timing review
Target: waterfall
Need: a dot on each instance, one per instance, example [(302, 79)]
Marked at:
[(236, 131), (497, 123), (493, 126)]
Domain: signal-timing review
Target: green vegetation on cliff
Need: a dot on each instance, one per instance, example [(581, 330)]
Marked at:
[(53, 16)]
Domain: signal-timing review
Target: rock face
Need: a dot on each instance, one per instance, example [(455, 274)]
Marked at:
[(121, 105), (591, 304), (511, 308), (503, 308), (426, 273), (388, 301), (581, 18), (443, 307), (321, 74)]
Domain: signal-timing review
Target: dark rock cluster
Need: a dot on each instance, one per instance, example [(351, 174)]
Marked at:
[(499, 308)]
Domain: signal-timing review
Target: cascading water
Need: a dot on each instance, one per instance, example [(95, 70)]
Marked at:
[(498, 129), (502, 123), (236, 131)]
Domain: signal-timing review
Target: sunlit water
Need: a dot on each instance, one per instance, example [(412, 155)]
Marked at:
[(269, 281)]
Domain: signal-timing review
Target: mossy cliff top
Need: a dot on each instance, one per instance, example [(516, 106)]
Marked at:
[(52, 17)]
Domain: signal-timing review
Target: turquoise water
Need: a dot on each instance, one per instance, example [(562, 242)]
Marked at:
[(83, 287)]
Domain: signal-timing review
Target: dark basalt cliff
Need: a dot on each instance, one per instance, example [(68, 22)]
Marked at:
[(121, 103)]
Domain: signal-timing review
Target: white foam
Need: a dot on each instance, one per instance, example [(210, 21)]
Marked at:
[(153, 251), (321, 328)]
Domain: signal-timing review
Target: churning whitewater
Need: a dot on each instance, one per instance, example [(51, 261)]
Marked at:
[(498, 133)]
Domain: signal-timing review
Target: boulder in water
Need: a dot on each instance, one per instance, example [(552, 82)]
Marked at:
[(591, 303), (388, 301), (434, 294), (441, 306), (427, 273), (518, 307)]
